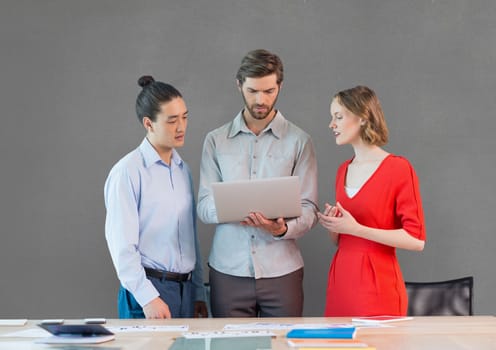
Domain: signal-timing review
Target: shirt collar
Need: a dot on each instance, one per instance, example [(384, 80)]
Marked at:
[(276, 126), (151, 156)]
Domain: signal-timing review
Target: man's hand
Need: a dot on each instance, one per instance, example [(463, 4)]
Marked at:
[(200, 310), (274, 227), (156, 309)]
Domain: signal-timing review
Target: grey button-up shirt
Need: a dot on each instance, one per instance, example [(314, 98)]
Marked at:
[(233, 152)]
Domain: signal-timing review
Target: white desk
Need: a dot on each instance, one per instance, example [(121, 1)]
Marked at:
[(472, 332)]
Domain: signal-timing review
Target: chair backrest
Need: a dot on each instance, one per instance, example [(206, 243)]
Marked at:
[(445, 298)]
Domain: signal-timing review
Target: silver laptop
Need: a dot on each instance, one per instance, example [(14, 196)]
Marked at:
[(274, 197)]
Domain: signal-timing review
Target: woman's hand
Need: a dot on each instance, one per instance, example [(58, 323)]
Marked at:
[(338, 220), (344, 223), (329, 212)]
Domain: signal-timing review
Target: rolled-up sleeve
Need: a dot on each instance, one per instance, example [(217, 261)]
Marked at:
[(306, 169), (408, 201), (209, 172)]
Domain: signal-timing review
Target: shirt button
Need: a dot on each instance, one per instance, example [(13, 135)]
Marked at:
[(253, 252), (254, 157), (253, 236)]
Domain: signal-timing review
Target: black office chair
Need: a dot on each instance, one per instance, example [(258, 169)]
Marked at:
[(445, 298)]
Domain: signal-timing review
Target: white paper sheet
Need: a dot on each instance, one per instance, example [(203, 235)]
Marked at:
[(148, 328), (75, 340), (28, 333), (13, 322), (282, 326), (227, 334)]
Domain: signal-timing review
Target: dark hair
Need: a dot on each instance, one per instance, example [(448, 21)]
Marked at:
[(363, 102), (154, 93), (258, 64)]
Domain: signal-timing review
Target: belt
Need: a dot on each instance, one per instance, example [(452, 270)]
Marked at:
[(166, 275)]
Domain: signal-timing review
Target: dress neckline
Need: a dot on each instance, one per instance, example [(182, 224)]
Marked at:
[(366, 181)]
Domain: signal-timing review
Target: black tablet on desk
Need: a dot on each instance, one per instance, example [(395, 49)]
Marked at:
[(76, 330), (75, 334)]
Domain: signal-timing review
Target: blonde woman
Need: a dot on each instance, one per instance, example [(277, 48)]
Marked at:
[(378, 209)]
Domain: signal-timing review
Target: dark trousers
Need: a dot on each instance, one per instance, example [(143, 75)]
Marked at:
[(233, 296), (177, 295)]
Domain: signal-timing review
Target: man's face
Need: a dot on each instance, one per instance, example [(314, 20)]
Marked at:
[(260, 96), (169, 128)]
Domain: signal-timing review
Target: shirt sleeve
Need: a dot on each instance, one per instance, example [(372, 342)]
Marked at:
[(122, 234), (409, 210), (306, 169), (209, 172), (197, 276)]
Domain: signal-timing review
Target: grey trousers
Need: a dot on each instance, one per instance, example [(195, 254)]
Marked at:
[(233, 296)]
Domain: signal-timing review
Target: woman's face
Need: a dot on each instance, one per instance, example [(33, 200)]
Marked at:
[(344, 124)]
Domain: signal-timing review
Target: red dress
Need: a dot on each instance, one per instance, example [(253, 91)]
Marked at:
[(365, 277)]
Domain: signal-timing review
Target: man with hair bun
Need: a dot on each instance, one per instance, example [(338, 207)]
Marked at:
[(151, 220)]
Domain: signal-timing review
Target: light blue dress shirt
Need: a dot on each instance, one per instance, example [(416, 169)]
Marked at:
[(151, 220), (233, 152)]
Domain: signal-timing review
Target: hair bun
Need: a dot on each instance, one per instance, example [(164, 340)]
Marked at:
[(145, 80)]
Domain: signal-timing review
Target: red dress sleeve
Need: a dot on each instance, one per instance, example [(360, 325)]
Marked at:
[(409, 212)]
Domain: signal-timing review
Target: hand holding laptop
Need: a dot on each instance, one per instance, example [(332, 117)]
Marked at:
[(276, 227)]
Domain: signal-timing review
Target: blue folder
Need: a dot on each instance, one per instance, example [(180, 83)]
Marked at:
[(335, 332)]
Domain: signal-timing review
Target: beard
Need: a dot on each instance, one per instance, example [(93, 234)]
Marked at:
[(259, 115)]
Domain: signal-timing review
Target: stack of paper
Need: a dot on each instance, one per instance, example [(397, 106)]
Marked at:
[(379, 319), (334, 344), (325, 338), (325, 333), (13, 322)]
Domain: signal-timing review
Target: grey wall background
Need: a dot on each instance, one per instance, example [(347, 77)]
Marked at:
[(68, 86)]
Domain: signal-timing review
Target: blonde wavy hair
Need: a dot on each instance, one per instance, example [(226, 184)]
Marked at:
[(363, 102)]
